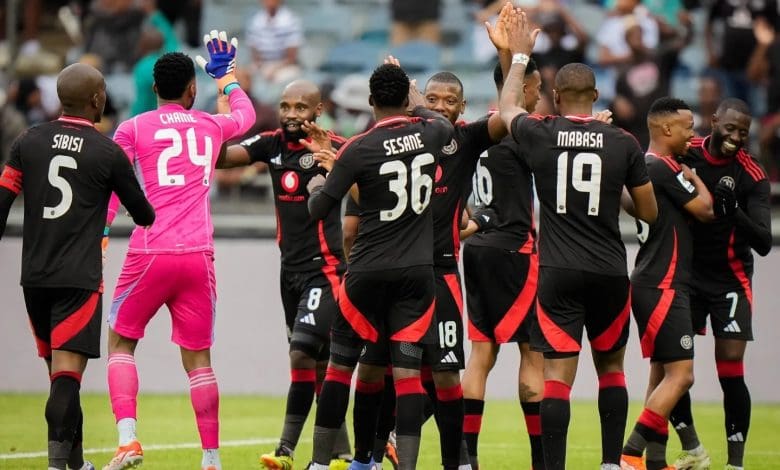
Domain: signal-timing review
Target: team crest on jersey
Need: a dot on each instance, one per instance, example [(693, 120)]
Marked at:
[(290, 181), (686, 342), (728, 181), (451, 148), (306, 161)]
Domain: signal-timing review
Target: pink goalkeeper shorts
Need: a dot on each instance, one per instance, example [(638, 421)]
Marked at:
[(185, 283)]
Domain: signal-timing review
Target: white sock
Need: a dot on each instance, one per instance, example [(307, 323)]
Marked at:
[(464, 467), (126, 428), (211, 457), (318, 466), (610, 466), (698, 450)]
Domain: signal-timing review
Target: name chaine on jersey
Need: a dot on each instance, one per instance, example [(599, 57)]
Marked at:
[(580, 139), (67, 142), (172, 118)]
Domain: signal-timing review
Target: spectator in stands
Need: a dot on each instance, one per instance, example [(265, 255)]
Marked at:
[(26, 97), (189, 11), (644, 80), (112, 30), (613, 47), (110, 114), (12, 123), (415, 20), (274, 36), (353, 113), (764, 68), (710, 96), (729, 50)]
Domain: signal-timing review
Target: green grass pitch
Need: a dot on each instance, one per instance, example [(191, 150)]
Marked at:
[(250, 426)]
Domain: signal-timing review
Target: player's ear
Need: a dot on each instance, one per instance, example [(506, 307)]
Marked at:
[(595, 95), (714, 121), (370, 100), (154, 88), (462, 107), (318, 110)]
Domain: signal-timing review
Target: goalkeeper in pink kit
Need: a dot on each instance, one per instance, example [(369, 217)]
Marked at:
[(174, 150)]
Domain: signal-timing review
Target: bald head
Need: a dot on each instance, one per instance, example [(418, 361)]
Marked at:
[(77, 84), (303, 88), (575, 78)]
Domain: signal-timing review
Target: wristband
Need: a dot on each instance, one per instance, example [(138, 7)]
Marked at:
[(105, 231), (520, 58), (230, 87)]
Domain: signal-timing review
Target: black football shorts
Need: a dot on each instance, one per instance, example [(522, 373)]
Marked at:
[(730, 311), (663, 318)]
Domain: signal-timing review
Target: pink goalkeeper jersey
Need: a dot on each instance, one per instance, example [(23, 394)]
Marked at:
[(174, 152)]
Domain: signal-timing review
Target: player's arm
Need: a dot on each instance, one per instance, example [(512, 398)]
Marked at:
[(638, 182), (496, 127), (326, 193), (645, 205), (10, 187), (481, 220), (700, 206), (521, 37), (231, 156), (349, 225), (627, 203), (125, 186), (755, 219)]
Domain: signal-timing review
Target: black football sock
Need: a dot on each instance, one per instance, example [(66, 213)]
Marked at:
[(682, 420), (76, 457), (331, 410), (386, 421), (62, 415), (472, 424), (368, 401), (300, 397), (613, 413), (410, 397), (533, 424), (650, 433), (449, 417), (555, 412), (736, 406)]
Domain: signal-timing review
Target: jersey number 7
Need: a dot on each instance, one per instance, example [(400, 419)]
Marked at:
[(175, 150), (420, 191)]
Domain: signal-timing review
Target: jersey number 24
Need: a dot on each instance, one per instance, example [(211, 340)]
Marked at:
[(175, 150)]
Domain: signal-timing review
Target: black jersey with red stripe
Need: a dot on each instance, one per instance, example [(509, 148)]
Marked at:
[(580, 166), (722, 256), (394, 165), (305, 244), (665, 252), (503, 182), (452, 185), (67, 170)]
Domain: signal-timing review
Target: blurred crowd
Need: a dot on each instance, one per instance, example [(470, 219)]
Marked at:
[(641, 50)]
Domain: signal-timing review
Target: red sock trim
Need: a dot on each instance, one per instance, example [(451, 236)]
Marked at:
[(654, 421), (534, 425), (340, 376), (303, 375), (409, 386), (612, 379), (472, 424), (557, 390), (369, 387), (318, 388), (449, 394), (66, 373), (730, 369)]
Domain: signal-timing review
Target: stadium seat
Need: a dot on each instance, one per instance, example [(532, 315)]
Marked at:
[(417, 56), (329, 21), (352, 57)]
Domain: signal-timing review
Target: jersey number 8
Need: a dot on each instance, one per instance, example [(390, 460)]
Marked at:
[(420, 191), (175, 150)]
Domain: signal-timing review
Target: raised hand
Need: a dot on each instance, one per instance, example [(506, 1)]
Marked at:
[(415, 97), (603, 116), (724, 198), (315, 183), (392, 61), (521, 34), (319, 137), (222, 57), (498, 32), (325, 159)]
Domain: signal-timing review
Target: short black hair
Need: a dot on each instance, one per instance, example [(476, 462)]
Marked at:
[(498, 74), (667, 105), (445, 77), (173, 71), (389, 86), (735, 104), (575, 78)]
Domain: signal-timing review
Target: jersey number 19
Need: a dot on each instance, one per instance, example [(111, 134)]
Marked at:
[(590, 185)]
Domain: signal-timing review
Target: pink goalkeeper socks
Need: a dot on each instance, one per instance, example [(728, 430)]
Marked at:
[(123, 385), (204, 394)]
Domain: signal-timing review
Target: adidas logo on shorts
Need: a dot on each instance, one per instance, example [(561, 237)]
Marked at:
[(450, 358), (308, 319), (733, 327)]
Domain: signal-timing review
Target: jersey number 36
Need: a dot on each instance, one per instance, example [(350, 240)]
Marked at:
[(420, 191)]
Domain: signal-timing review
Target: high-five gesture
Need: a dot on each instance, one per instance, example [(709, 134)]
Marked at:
[(498, 32), (222, 57), (520, 32)]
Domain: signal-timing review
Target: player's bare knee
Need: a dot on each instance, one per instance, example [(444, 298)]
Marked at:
[(301, 360), (371, 374), (67, 361), (120, 344), (446, 379), (483, 355), (730, 349), (192, 360), (609, 361)]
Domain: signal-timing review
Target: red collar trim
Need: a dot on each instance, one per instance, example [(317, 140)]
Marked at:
[(76, 120), (710, 159), (391, 120)]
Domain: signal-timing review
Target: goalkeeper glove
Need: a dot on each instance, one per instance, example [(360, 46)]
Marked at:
[(222, 57)]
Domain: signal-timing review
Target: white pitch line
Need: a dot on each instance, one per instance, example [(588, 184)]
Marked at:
[(186, 445)]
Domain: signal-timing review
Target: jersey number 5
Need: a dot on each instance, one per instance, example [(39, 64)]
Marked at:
[(60, 183), (592, 185), (175, 150), (420, 191)]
